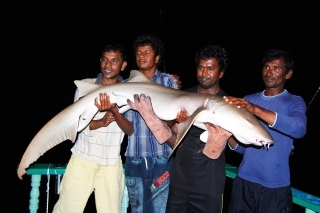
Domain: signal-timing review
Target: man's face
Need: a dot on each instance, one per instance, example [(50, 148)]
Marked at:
[(274, 73), (111, 64), (146, 57), (208, 73)]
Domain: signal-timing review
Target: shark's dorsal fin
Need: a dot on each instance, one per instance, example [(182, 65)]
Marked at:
[(85, 87), (185, 126), (137, 76), (204, 136)]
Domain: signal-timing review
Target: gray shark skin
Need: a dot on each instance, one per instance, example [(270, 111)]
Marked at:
[(166, 102)]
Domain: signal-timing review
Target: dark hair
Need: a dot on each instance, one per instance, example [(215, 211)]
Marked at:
[(114, 48), (272, 55), (213, 51), (152, 40)]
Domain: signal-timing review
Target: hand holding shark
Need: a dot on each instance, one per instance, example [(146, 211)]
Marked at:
[(144, 106)]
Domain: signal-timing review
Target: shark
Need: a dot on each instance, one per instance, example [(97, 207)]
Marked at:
[(166, 103)]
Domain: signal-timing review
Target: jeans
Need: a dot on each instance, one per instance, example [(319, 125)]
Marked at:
[(147, 180)]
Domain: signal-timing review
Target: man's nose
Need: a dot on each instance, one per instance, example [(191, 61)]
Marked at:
[(109, 64), (204, 71), (141, 55), (269, 72)]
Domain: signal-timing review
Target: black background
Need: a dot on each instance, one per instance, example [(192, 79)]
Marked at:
[(47, 45)]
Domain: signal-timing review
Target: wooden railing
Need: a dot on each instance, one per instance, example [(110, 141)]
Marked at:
[(309, 202)]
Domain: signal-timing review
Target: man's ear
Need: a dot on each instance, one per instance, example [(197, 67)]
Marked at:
[(289, 74), (221, 74), (124, 64), (157, 59)]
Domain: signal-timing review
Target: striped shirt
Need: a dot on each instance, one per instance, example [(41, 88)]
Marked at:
[(142, 142), (101, 145)]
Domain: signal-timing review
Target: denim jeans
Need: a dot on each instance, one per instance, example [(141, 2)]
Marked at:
[(147, 180)]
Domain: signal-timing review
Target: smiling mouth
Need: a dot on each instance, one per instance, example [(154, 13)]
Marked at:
[(269, 79)]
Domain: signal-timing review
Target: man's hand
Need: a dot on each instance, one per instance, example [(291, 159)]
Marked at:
[(106, 120), (143, 105), (264, 114), (241, 103), (176, 79), (104, 103), (182, 116), (216, 142)]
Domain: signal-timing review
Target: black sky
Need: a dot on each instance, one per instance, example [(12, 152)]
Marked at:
[(48, 45)]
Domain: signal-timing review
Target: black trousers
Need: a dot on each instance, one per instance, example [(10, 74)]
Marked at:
[(183, 201), (251, 197)]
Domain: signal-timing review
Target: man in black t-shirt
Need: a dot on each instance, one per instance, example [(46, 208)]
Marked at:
[(198, 173)]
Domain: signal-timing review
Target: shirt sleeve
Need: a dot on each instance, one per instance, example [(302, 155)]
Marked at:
[(170, 82), (240, 149), (294, 123)]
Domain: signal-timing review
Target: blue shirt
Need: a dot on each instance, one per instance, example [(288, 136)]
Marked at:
[(142, 142), (270, 166)]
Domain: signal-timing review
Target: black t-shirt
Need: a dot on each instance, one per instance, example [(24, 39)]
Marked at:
[(192, 170)]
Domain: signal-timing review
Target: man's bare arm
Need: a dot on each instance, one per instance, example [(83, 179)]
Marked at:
[(143, 105), (111, 115), (217, 139), (268, 116)]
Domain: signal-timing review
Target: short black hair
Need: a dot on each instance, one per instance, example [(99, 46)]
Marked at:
[(272, 55), (149, 39), (114, 48), (213, 51)]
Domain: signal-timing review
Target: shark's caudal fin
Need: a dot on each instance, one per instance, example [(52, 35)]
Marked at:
[(49, 136), (185, 126)]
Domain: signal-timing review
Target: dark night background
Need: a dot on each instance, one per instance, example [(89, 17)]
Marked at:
[(47, 45)]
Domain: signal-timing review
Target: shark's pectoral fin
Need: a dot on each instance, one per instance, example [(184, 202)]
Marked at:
[(122, 97), (124, 109), (86, 117), (204, 136), (185, 126)]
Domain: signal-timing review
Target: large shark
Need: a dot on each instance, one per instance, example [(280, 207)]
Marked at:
[(166, 102)]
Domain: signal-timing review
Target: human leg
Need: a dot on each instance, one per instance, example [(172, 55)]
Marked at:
[(252, 197), (278, 200), (76, 186), (142, 173), (203, 203), (177, 200), (134, 175), (157, 197), (108, 188)]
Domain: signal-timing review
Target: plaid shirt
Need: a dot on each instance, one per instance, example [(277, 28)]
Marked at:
[(142, 142)]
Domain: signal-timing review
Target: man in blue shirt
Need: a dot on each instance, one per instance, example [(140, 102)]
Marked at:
[(263, 181), (147, 169)]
